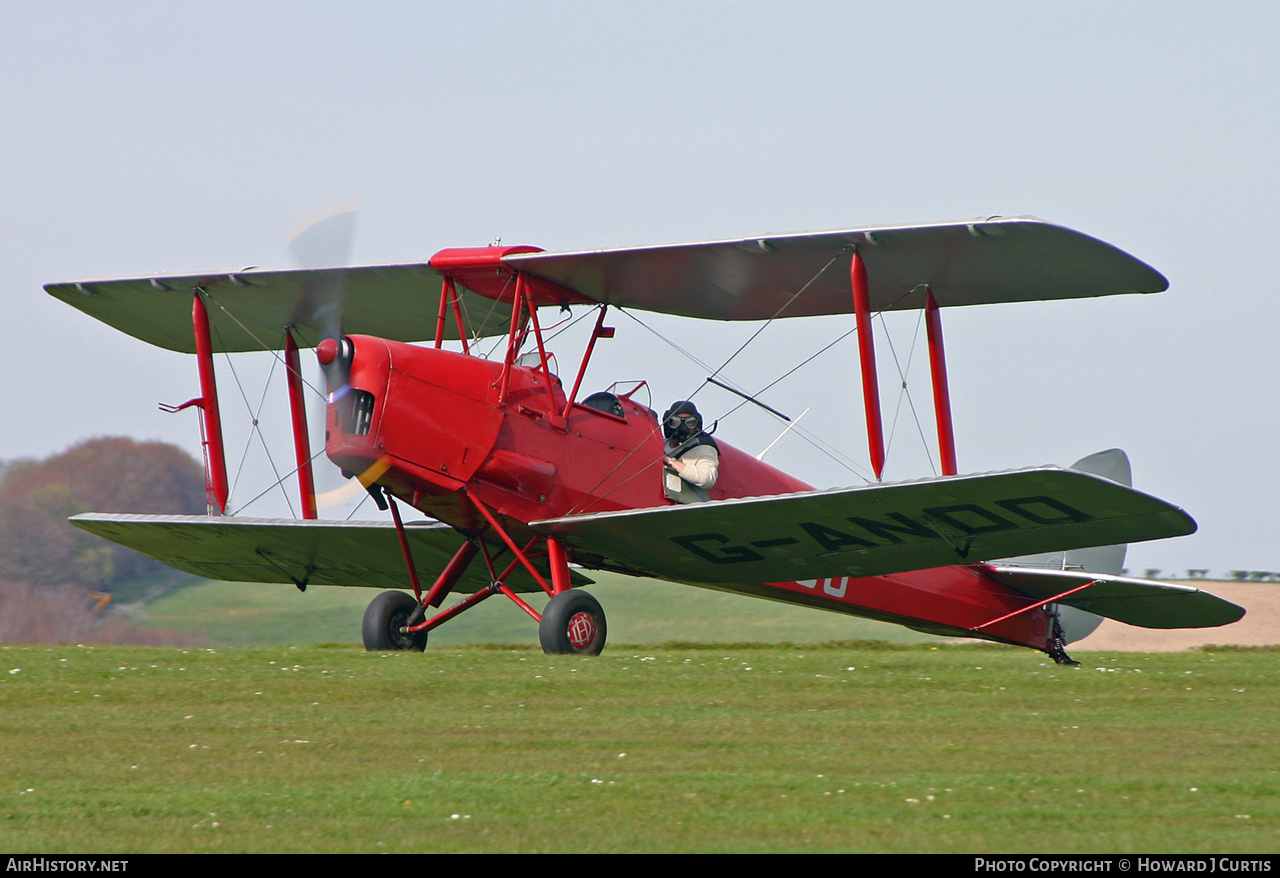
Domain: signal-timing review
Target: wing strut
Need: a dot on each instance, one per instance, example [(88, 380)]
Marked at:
[(941, 395), (449, 296), (601, 331), (215, 467), (870, 383), (301, 439), (867, 357)]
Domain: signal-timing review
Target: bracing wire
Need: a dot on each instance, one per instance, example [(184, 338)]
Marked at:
[(797, 294), (255, 430), (356, 508), (717, 371), (834, 454), (565, 325), (276, 359), (905, 391)]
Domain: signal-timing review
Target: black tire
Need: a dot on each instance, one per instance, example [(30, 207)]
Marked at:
[(383, 619), (572, 624)]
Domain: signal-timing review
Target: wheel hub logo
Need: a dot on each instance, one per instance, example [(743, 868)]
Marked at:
[(582, 630)]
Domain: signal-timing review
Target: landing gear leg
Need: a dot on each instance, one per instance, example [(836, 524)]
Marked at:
[(383, 619), (572, 624)]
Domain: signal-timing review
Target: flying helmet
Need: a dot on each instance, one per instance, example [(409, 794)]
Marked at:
[(681, 421)]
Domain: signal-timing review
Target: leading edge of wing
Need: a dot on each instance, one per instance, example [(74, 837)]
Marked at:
[(316, 552), (249, 310), (1141, 602), (874, 530), (970, 262)]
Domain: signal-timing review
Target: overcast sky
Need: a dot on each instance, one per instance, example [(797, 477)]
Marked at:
[(150, 137)]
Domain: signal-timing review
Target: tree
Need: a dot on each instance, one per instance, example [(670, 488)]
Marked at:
[(113, 474)]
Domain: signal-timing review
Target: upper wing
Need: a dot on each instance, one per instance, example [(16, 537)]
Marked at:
[(964, 263), (793, 275), (1138, 602), (360, 553), (873, 530), (249, 310)]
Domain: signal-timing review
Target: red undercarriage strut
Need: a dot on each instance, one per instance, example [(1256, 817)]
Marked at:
[(582, 628)]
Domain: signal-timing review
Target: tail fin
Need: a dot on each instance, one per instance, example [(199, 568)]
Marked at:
[(1076, 624), (1111, 464)]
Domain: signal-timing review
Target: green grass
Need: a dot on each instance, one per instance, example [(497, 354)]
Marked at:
[(844, 747), (638, 611)]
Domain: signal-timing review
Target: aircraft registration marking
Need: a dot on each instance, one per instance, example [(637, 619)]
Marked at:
[(874, 530), (965, 519), (834, 588)]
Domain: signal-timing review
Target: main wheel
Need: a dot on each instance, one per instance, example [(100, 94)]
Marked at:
[(572, 624), (383, 619)]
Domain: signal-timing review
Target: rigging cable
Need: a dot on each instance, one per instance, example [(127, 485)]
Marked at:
[(255, 430), (905, 391), (797, 294), (715, 372), (276, 359)]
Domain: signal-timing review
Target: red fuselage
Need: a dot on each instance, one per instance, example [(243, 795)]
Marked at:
[(436, 414), (447, 424)]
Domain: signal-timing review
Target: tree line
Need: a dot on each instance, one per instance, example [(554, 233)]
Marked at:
[(49, 567)]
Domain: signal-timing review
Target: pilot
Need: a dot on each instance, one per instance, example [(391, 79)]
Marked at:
[(689, 451)]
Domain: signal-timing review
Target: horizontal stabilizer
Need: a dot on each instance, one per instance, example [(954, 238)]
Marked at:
[(249, 310), (1140, 602), (873, 530), (355, 553)]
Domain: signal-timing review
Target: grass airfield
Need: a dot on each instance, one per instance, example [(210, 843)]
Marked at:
[(638, 611), (849, 746)]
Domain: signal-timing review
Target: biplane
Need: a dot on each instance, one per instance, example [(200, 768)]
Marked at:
[(529, 486)]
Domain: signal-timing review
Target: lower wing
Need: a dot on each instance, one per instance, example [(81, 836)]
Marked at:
[(871, 530), (356, 553)]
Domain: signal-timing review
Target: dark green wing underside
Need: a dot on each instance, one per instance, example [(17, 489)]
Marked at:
[(354, 553)]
